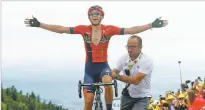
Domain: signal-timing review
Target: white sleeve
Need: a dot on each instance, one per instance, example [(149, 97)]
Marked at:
[(146, 67), (120, 62)]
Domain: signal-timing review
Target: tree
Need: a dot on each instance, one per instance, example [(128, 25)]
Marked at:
[(14, 96), (38, 98), (27, 94), (33, 95), (13, 88), (21, 92), (2, 94), (15, 100), (8, 92)]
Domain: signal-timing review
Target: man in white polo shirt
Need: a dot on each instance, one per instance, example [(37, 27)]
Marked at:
[(137, 69)]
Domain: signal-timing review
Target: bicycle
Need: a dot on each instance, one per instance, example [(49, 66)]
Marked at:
[(99, 90)]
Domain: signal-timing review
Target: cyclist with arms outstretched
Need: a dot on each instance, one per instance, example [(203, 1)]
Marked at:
[(96, 39)]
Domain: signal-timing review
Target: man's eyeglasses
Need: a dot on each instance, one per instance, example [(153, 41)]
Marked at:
[(95, 12), (127, 72), (131, 47)]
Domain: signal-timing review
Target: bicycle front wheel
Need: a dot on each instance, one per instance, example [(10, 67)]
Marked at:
[(98, 106)]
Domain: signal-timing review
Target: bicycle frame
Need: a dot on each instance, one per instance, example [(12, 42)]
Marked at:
[(97, 102)]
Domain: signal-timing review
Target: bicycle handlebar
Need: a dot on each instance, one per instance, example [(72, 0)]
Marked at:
[(97, 85)]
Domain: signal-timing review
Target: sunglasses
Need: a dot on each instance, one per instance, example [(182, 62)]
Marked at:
[(127, 72), (95, 12)]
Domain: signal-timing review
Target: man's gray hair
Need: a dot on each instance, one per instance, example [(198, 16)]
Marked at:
[(138, 38)]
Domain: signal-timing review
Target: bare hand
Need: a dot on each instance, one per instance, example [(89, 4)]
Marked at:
[(114, 75)]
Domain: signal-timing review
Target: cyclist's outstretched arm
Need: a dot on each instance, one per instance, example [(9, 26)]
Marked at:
[(54, 28), (137, 29)]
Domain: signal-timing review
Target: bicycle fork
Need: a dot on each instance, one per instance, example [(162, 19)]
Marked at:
[(98, 102)]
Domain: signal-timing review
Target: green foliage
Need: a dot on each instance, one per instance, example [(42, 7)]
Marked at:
[(3, 106), (11, 99)]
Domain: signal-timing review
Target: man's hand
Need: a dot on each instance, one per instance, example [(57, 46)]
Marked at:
[(157, 23), (32, 22), (114, 75)]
